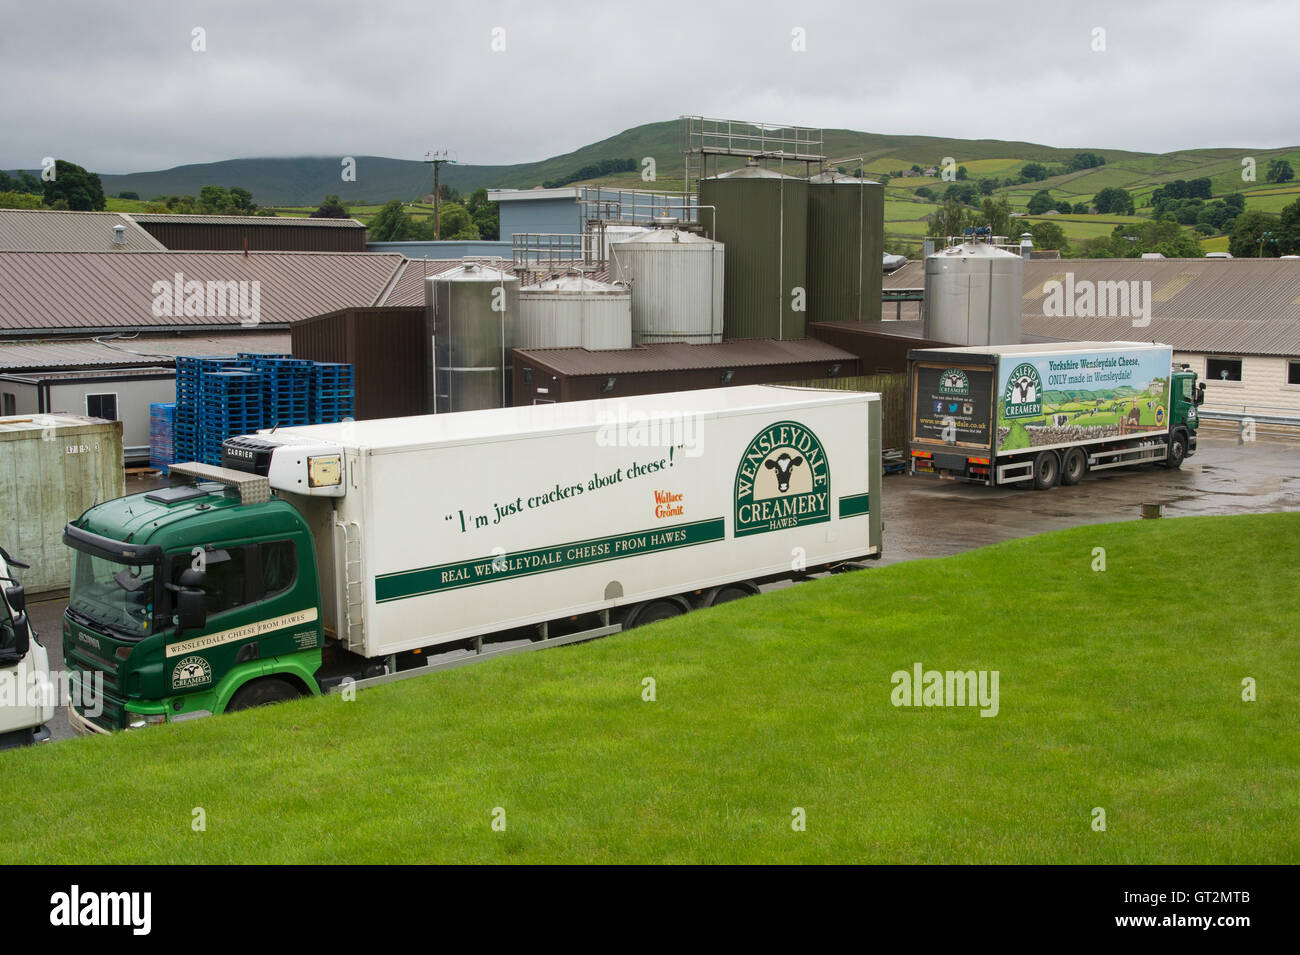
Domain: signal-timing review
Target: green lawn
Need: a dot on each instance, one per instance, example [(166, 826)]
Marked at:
[(1119, 690)]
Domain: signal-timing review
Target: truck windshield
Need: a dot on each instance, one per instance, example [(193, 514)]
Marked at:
[(117, 597)]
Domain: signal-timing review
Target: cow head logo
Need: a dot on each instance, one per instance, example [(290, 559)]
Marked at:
[(782, 481), (191, 672), (953, 381), (783, 465), (1023, 396)]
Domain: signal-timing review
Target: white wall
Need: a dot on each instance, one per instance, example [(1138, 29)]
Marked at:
[(1263, 389), (133, 400)]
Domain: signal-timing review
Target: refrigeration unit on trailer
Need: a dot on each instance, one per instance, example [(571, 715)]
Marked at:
[(378, 550), (1048, 413)]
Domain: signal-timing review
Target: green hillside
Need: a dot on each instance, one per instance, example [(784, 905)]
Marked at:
[(1116, 692), (297, 185)]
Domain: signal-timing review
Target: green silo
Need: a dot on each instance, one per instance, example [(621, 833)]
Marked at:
[(762, 219), (846, 237)]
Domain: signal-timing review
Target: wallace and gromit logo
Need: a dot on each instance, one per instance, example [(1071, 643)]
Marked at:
[(783, 480)]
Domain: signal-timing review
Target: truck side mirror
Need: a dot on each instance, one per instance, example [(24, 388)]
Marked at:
[(191, 608), (17, 598), (1200, 393), (22, 635), (191, 604)]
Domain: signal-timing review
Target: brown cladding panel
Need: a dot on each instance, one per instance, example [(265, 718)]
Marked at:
[(563, 387), (386, 348), (214, 237), (879, 353)]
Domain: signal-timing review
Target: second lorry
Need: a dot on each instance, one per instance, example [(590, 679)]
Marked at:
[(1047, 414), (377, 550)]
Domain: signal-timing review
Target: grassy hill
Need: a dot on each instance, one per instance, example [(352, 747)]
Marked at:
[(1118, 689), (296, 184)]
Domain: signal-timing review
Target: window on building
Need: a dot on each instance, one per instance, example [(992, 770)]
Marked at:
[(1223, 369), (1293, 373), (102, 406), (8, 403)]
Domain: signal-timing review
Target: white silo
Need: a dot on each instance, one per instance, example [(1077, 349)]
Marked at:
[(973, 295), (676, 280), (573, 311)]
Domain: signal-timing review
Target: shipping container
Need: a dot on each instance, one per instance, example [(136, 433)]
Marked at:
[(52, 468)]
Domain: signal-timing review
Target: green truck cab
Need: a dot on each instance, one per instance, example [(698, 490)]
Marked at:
[(191, 600)]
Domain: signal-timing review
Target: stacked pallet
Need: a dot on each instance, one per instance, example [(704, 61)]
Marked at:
[(331, 392), (162, 434), (217, 398)]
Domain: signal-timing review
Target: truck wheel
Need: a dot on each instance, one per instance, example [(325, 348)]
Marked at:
[(729, 592), (1076, 466), (665, 608), (1047, 470), (1177, 451), (262, 693)]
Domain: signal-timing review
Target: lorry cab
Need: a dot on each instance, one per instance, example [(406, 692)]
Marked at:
[(191, 600), (1187, 396), (24, 666)]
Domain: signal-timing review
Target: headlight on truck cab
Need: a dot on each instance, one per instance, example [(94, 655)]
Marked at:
[(139, 721)]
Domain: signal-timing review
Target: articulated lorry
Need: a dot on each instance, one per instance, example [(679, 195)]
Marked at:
[(345, 555), (1047, 414), (26, 699)]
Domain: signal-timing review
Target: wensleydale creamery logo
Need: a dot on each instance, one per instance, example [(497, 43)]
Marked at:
[(954, 382), (783, 481), (192, 671), (1024, 395)]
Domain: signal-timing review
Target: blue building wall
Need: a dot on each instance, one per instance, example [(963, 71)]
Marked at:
[(560, 214), (446, 249)]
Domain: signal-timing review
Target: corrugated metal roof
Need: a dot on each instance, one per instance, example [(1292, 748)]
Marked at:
[(48, 291), (678, 356), (167, 217), (53, 230), (133, 351), (1222, 306)]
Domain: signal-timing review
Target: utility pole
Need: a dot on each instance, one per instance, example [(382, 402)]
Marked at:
[(436, 159)]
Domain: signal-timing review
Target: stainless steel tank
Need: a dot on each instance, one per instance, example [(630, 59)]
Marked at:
[(471, 316)]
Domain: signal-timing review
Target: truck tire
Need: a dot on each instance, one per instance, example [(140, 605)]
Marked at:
[(652, 611), (1075, 467), (262, 692), (729, 592), (1047, 470), (1177, 451)]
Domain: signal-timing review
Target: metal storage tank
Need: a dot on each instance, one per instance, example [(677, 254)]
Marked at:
[(762, 218), (621, 233), (573, 311), (52, 468), (846, 245), (471, 314), (973, 295), (677, 281)]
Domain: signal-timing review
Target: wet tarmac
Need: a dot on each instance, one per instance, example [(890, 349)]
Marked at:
[(925, 517)]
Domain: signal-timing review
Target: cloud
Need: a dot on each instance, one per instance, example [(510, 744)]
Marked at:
[(119, 88)]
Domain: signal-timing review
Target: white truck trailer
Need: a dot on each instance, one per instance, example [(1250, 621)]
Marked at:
[(1045, 414), (376, 550)]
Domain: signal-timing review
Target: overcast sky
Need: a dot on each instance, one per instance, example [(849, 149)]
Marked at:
[(118, 87)]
